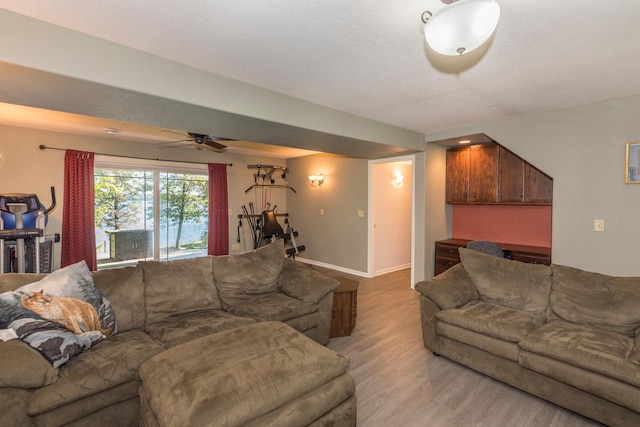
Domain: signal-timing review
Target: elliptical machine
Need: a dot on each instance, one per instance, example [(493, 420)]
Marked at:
[(23, 219)]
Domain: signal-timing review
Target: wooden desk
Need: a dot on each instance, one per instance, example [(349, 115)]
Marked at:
[(345, 307), (447, 253)]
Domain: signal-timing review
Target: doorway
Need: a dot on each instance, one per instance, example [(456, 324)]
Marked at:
[(392, 215)]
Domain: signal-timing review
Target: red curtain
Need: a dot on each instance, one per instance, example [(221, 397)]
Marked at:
[(218, 233), (78, 230)]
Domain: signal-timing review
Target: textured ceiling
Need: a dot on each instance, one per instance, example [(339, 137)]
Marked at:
[(369, 57)]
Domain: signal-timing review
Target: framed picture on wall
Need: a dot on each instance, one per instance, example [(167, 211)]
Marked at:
[(632, 170)]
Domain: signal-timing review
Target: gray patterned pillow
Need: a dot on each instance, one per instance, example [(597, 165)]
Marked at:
[(60, 315)]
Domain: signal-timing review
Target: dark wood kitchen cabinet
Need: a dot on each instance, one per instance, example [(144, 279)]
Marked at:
[(457, 176), (483, 173), (521, 182), (511, 181), (491, 174), (472, 174), (538, 187)]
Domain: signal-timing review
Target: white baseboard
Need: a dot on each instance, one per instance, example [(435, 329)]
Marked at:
[(332, 267), (391, 269)]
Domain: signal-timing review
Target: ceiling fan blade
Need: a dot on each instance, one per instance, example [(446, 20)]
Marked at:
[(179, 143), (182, 134), (213, 144)]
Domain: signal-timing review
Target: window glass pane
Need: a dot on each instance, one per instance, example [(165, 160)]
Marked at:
[(124, 233), (183, 215)]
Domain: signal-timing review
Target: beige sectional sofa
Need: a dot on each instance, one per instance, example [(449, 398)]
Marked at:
[(158, 306), (566, 335)]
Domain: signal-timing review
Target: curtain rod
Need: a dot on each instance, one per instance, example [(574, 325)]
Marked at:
[(44, 147)]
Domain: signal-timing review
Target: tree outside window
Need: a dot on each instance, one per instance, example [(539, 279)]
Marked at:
[(183, 199), (126, 222)]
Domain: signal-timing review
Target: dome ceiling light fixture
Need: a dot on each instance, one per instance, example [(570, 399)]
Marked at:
[(461, 26)]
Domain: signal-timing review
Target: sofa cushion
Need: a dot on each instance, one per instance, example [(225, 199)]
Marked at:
[(24, 367), (513, 284), (594, 349), (601, 387), (13, 281), (275, 306), (505, 349), (242, 277), (125, 289), (110, 363), (186, 327), (178, 287), (501, 322), (60, 315), (595, 299)]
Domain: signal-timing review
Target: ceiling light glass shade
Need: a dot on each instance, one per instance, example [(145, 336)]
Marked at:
[(462, 26)]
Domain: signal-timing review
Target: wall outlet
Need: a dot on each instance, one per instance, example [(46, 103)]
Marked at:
[(321, 211), (235, 246), (598, 225), (361, 213)]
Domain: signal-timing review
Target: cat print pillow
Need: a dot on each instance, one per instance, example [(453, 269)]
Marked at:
[(61, 315)]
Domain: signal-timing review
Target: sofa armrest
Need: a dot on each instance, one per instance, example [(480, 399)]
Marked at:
[(451, 289), (304, 284), (24, 367)]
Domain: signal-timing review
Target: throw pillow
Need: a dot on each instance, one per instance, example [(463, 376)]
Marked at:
[(509, 283), (60, 315), (242, 277), (176, 287)]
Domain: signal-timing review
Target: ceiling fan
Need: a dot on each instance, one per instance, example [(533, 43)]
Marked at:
[(199, 139)]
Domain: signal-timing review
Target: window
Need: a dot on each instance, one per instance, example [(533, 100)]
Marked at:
[(149, 213)]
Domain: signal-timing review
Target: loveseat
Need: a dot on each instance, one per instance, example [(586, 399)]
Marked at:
[(566, 335), (157, 306)]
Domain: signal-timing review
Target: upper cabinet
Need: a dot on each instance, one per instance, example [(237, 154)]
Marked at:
[(483, 173), (491, 174), (457, 176), (538, 188)]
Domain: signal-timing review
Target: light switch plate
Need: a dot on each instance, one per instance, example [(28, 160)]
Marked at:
[(598, 225)]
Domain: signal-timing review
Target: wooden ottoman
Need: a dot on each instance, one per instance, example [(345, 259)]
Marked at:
[(263, 374)]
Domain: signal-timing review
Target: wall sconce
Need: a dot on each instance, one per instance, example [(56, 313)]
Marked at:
[(316, 180), (398, 180)]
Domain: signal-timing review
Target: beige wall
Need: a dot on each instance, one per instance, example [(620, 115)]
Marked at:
[(24, 168), (338, 237)]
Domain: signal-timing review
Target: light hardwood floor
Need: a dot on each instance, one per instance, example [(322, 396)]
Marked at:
[(400, 383)]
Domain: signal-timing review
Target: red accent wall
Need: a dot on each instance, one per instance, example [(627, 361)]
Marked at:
[(522, 225)]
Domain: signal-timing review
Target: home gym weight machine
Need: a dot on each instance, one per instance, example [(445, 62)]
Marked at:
[(24, 246), (264, 226)]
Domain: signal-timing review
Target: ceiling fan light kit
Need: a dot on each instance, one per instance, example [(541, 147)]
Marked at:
[(461, 26)]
